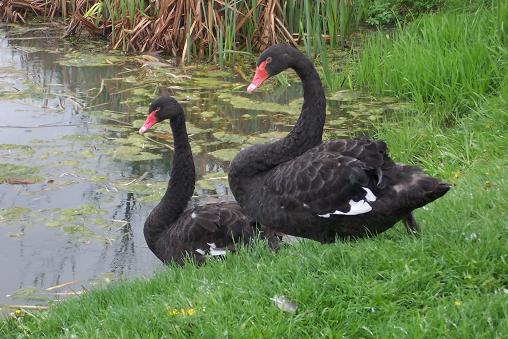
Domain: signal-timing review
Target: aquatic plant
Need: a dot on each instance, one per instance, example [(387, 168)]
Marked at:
[(215, 30)]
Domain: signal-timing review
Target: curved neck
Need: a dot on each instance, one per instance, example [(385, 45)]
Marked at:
[(180, 185), (307, 132)]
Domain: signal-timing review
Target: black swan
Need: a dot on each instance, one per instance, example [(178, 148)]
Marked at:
[(171, 232), (304, 187)]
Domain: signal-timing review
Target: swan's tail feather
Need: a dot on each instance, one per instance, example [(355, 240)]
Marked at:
[(438, 191), (413, 188)]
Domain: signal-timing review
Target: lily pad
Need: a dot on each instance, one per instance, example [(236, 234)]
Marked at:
[(210, 180), (133, 153), (196, 149), (229, 137), (273, 135), (253, 139), (86, 209), (248, 104), (226, 154), (208, 114), (13, 213)]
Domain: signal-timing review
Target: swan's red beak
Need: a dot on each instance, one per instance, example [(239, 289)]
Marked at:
[(260, 76), (149, 122)]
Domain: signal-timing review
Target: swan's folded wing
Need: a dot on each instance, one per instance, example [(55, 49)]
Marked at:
[(322, 180), (225, 218)]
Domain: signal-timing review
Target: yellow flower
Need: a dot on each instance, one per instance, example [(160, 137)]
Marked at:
[(172, 312), (18, 313), (457, 302), (182, 311)]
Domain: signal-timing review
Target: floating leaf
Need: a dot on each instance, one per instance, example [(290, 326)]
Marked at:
[(226, 154), (133, 153), (86, 209), (273, 135), (196, 149), (229, 137), (208, 114), (210, 180), (13, 213)]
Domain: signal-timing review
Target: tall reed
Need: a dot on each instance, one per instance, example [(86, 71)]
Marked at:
[(215, 30)]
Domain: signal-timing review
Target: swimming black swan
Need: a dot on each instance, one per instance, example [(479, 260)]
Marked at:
[(304, 187), (172, 232)]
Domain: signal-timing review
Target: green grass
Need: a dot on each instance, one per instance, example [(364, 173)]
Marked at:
[(450, 282), (450, 60)]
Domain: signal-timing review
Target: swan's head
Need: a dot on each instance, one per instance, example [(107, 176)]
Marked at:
[(161, 109), (271, 62)]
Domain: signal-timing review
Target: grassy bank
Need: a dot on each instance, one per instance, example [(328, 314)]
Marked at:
[(450, 282), (451, 60)]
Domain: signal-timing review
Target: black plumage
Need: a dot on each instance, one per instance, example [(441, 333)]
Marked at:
[(173, 232), (302, 186)]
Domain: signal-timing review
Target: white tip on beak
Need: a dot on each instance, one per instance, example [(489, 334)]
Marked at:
[(251, 88), (142, 130)]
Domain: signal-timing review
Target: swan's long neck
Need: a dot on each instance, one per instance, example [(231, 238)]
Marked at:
[(307, 132), (180, 185)]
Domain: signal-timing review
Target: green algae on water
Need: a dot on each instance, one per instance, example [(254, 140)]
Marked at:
[(133, 154), (25, 150), (13, 213), (11, 173), (87, 59)]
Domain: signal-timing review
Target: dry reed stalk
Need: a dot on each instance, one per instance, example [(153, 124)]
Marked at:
[(171, 26)]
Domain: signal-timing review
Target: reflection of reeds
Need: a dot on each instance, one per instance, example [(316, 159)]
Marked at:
[(211, 29)]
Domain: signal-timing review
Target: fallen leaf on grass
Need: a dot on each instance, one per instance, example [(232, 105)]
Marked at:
[(285, 304)]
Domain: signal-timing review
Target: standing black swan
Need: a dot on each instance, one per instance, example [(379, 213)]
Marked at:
[(302, 186), (171, 232)]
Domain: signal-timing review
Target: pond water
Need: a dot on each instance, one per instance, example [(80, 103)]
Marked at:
[(71, 205)]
